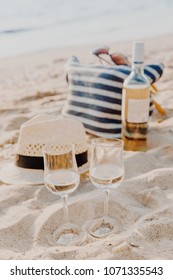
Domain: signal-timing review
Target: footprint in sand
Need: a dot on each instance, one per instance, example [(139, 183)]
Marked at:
[(36, 96), (14, 123)]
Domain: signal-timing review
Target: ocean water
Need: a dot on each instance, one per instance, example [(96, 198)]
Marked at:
[(34, 25)]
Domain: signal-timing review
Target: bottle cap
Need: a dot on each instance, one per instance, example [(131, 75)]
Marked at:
[(138, 52)]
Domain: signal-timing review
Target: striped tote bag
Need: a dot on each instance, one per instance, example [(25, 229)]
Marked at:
[(95, 95)]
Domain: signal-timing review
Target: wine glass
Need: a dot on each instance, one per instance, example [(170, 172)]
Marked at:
[(106, 172), (61, 177)]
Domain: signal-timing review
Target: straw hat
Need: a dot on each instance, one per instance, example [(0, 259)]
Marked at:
[(40, 131)]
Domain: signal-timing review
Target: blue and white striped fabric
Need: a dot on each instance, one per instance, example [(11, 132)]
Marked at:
[(96, 94)]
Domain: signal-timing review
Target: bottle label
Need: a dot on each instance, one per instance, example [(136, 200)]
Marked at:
[(138, 110), (136, 102)]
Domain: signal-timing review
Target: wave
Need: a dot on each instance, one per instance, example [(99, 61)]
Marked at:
[(55, 23), (16, 30)]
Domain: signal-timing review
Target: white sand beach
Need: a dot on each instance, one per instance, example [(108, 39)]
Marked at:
[(143, 204)]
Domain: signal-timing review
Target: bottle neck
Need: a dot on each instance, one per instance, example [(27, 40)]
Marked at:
[(137, 67)]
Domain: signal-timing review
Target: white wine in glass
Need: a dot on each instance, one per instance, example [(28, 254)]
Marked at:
[(109, 175), (62, 181), (61, 177), (106, 173)]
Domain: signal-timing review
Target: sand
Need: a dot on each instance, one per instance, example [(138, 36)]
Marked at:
[(142, 205)]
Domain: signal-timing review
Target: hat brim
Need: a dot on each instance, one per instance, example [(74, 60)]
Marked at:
[(14, 175)]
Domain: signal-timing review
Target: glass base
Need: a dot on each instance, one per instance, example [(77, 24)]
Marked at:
[(69, 234), (103, 227)]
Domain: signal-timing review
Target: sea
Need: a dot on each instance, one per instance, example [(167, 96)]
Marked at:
[(28, 26)]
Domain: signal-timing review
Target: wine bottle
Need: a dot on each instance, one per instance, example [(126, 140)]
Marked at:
[(135, 103)]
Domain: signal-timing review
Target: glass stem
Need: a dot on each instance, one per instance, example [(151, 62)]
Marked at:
[(106, 202), (65, 206)]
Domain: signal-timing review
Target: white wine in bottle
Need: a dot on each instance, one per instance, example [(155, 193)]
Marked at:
[(135, 103)]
